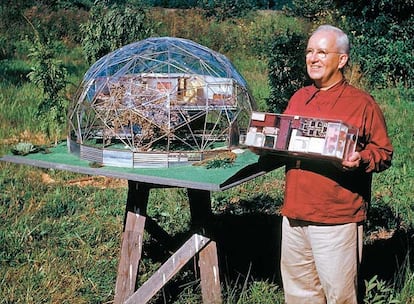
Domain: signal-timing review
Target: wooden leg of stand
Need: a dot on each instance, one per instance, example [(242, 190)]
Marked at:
[(130, 256), (137, 199), (209, 274), (200, 207), (131, 248)]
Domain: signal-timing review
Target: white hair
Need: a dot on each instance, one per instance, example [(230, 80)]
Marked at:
[(342, 40)]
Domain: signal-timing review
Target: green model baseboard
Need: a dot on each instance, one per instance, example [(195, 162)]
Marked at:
[(244, 168)]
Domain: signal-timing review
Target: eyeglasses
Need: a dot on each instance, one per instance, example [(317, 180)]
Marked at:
[(321, 54)]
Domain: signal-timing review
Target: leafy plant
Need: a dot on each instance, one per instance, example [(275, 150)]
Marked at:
[(377, 292), (24, 148), (111, 27), (225, 162), (50, 75), (260, 292), (226, 9), (310, 9), (286, 69), (385, 61)]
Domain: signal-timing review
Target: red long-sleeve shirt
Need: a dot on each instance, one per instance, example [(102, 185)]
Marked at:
[(319, 191)]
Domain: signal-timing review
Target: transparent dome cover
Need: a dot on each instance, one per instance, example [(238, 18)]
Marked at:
[(158, 102)]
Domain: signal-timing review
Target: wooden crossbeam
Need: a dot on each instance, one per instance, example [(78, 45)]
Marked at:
[(191, 247)]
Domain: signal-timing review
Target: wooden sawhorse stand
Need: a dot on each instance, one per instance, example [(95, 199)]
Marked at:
[(131, 248), (135, 220)]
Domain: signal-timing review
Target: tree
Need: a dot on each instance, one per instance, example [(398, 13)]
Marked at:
[(380, 31), (381, 35), (50, 75), (12, 25), (226, 9), (286, 69), (110, 28), (311, 10)]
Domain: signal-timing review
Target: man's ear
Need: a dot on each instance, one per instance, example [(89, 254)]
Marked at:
[(343, 59)]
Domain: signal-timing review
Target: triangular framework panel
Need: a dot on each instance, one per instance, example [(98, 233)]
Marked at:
[(160, 95)]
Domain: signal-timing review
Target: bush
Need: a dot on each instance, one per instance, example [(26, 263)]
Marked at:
[(221, 10), (385, 60), (110, 28), (60, 24), (50, 75), (286, 69), (380, 31), (381, 37), (311, 10)]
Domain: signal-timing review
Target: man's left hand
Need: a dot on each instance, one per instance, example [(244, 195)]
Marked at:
[(352, 162)]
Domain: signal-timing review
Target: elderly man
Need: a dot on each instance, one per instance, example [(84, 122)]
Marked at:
[(325, 204)]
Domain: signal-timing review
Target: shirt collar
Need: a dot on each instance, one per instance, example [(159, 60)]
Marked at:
[(336, 90)]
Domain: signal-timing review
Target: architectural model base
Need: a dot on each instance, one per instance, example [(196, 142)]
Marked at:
[(129, 159)]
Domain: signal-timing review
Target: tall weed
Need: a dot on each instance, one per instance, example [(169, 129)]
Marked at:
[(393, 187)]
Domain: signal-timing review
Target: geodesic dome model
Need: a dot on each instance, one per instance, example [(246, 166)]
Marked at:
[(156, 103)]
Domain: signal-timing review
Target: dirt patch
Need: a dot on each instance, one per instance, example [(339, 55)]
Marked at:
[(101, 182), (26, 136), (381, 234)]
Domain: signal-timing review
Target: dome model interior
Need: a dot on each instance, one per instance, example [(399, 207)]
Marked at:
[(156, 103)]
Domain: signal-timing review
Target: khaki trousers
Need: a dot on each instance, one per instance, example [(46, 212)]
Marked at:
[(319, 263)]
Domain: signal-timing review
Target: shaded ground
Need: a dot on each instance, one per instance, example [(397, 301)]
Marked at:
[(252, 243), (249, 244), (249, 249)]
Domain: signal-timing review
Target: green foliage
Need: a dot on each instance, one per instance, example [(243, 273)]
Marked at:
[(57, 254), (262, 293), (378, 8), (173, 3), (257, 292), (286, 69), (18, 110), (405, 295), (12, 17), (393, 187), (110, 28), (50, 75), (219, 162), (261, 32), (24, 148), (59, 22), (385, 58), (383, 46), (381, 216), (263, 195), (68, 4), (255, 73), (312, 10), (12, 24), (380, 31), (173, 217), (258, 4), (226, 9), (377, 292), (7, 48), (13, 71), (190, 295)]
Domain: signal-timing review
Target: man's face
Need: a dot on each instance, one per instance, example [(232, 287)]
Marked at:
[(323, 61)]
